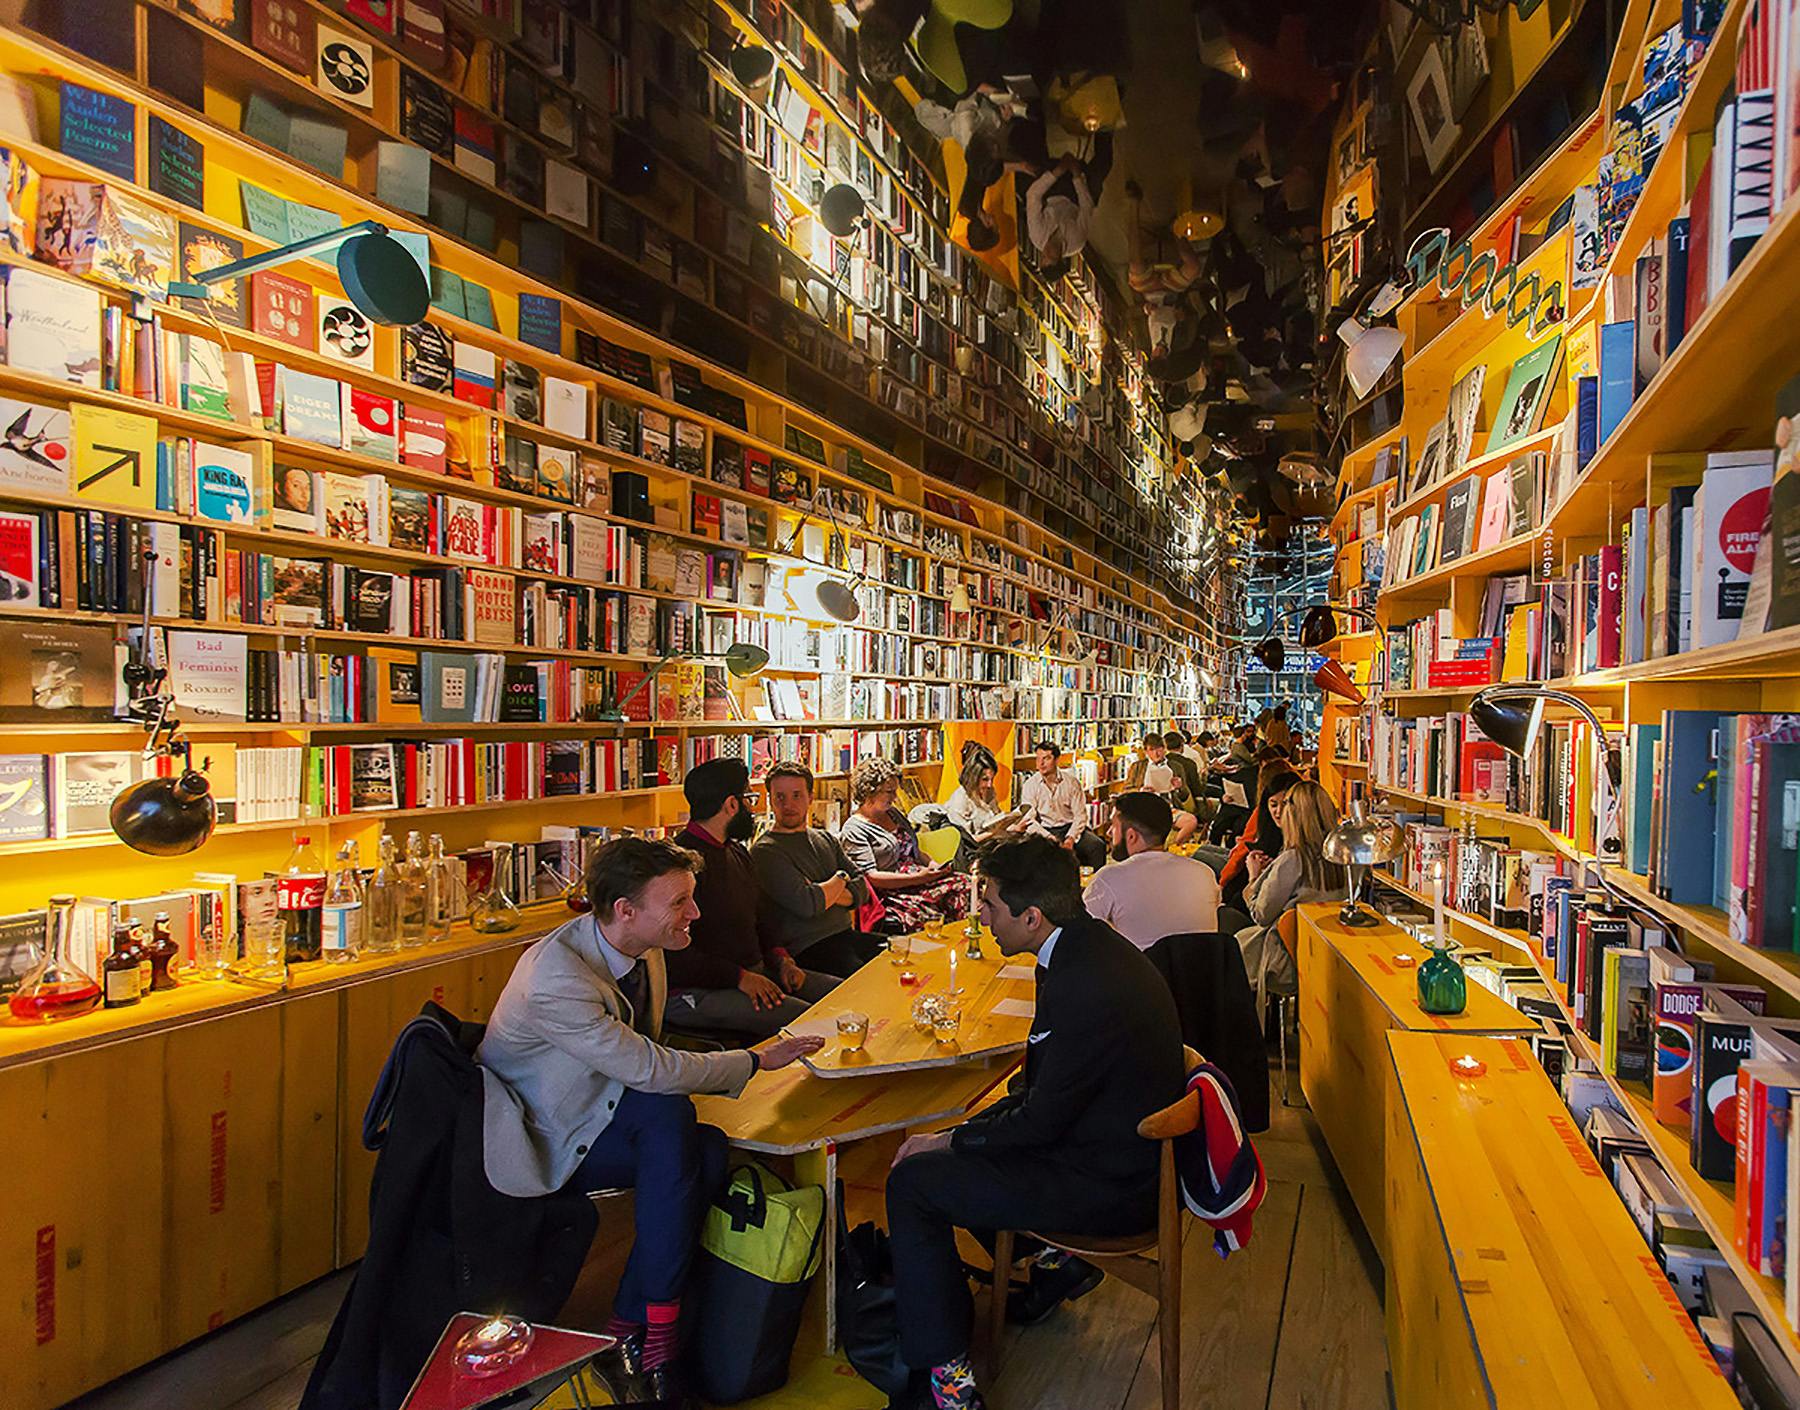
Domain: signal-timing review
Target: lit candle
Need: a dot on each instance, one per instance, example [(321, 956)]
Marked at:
[(1437, 901), (953, 988), (1468, 1065)]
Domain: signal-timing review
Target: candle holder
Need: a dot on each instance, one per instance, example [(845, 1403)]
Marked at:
[(1443, 988)]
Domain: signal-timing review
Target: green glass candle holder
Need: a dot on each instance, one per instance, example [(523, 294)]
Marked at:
[(1443, 988)]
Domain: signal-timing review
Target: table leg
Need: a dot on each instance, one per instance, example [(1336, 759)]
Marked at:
[(819, 1167)]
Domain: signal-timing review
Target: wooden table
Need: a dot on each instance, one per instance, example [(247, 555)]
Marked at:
[(997, 1004), (902, 1079), (1515, 1277), (1352, 994)]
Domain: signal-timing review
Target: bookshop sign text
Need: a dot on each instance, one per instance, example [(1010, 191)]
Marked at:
[(1481, 280)]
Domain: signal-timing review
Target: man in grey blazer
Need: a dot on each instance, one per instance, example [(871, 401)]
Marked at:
[(579, 1091)]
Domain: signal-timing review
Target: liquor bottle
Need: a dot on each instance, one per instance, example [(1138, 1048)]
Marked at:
[(381, 908), (120, 982), (163, 953), (57, 987), (140, 943), (440, 890), (301, 897), (412, 893), (341, 936)]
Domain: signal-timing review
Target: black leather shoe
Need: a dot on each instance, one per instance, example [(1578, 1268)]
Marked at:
[(1049, 1289), (622, 1368), (664, 1389)]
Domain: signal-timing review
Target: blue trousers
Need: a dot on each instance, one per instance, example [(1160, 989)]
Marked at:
[(655, 1145)]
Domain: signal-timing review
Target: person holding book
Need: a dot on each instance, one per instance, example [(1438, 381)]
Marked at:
[(735, 975), (1059, 807), (974, 807), (1152, 772), (813, 891), (579, 1092), (880, 843)]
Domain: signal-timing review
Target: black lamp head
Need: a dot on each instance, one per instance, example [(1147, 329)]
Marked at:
[(1271, 653), (751, 64), (1512, 724), (1318, 627), (840, 208), (165, 817), (383, 280)]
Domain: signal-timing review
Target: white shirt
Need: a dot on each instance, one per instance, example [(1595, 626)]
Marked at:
[(1153, 894), (1045, 948), (1058, 215), (1059, 803), (974, 117)]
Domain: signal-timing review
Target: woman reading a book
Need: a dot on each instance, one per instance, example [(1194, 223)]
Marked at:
[(881, 842)]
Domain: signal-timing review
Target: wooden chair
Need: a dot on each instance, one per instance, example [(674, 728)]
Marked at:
[(1150, 1262)]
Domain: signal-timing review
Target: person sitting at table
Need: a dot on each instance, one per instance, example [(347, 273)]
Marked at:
[(974, 808), (735, 975), (1061, 1150), (1059, 807), (1148, 892), (579, 1092), (1152, 772), (811, 889), (1299, 875), (881, 844), (1262, 831), (1243, 746)]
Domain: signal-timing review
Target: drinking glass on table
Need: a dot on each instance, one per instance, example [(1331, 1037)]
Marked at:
[(853, 1030), (899, 949), (947, 1024)]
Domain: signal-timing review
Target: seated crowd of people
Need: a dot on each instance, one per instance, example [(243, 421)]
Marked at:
[(735, 933)]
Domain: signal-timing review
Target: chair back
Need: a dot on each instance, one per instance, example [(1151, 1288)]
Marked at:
[(1288, 928), (1182, 1116)]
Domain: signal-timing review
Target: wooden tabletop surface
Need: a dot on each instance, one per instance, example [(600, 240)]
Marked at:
[(1564, 1298), (997, 1003), (1371, 952)]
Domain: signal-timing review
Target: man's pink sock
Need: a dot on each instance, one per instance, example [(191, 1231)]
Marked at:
[(659, 1337)]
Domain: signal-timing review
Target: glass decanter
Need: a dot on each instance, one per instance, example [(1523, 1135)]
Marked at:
[(440, 890), (493, 912), (57, 987), (381, 904), (412, 893)]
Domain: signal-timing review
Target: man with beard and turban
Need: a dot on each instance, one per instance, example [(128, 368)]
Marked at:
[(1147, 892), (735, 975)]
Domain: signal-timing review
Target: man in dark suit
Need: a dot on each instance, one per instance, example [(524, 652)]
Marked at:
[(1061, 1151)]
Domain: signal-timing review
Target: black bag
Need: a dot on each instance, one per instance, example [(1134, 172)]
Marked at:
[(868, 1325), (758, 1252)]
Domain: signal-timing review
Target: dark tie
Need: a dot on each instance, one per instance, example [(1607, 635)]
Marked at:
[(636, 988)]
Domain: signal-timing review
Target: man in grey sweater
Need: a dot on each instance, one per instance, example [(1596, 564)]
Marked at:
[(811, 889)]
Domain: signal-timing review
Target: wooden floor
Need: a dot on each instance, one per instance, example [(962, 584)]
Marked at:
[(1293, 1322)]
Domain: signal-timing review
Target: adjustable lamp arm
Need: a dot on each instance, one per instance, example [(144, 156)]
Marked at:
[(313, 244)]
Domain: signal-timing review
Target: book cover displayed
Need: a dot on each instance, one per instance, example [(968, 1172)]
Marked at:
[(311, 408), (346, 333), (24, 797), (209, 674), (1527, 394), (346, 67), (427, 357), (296, 590), (282, 308), (397, 684), (424, 439), (225, 487), (283, 31), (447, 686), (298, 500), (35, 453), (52, 326), (20, 584), (372, 777), (115, 456), (1730, 512), (83, 786), (1463, 418), (494, 599), (98, 129), (370, 427), (475, 375), (199, 250)]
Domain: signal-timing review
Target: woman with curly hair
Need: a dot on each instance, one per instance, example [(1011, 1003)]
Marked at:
[(881, 843)]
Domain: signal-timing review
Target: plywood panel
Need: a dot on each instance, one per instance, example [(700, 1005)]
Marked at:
[(307, 1217), (81, 1238)]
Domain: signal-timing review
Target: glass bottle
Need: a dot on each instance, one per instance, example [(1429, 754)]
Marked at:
[(381, 907), (57, 987), (163, 953), (119, 979), (301, 897), (440, 891), (493, 912), (412, 893), (140, 943), (341, 934)]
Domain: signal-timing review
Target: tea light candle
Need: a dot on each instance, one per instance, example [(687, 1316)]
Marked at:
[(1404, 961), (1468, 1065)]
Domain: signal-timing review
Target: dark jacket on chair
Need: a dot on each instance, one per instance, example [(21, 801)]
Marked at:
[(1104, 1052), (442, 1240), (1217, 1008)]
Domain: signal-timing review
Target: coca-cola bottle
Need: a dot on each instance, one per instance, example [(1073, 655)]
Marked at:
[(300, 896)]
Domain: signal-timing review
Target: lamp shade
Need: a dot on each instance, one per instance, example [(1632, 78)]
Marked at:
[(1318, 627), (1512, 724), (745, 658), (1271, 653), (1362, 841), (1370, 356), (838, 599), (165, 817), (383, 280), (1334, 679), (840, 208), (751, 64)]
